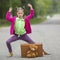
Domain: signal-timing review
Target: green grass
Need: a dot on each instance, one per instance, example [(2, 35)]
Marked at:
[(37, 20), (4, 23)]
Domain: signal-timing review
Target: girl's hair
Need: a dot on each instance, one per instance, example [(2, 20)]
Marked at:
[(20, 8)]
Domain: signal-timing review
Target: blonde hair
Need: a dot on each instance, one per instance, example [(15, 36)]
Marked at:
[(20, 8)]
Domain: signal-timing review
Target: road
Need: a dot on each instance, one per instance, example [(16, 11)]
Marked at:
[(55, 19), (48, 34)]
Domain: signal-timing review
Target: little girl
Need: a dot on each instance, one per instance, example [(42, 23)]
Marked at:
[(20, 27)]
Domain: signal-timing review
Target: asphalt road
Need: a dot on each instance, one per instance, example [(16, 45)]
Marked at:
[(48, 34)]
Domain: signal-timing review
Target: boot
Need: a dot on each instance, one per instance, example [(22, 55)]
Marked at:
[(10, 54), (45, 53)]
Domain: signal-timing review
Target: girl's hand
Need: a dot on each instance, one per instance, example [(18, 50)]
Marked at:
[(10, 9), (29, 5)]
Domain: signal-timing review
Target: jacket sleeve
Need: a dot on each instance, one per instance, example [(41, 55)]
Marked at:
[(30, 15), (9, 17)]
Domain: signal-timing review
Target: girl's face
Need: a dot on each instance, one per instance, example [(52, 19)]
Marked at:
[(20, 13)]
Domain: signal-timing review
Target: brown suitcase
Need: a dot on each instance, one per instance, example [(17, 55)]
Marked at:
[(31, 50)]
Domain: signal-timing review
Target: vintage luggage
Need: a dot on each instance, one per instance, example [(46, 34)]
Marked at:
[(31, 50)]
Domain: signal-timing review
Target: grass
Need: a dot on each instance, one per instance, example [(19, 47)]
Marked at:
[(37, 20), (4, 23)]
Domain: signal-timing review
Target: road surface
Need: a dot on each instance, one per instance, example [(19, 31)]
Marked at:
[(48, 34)]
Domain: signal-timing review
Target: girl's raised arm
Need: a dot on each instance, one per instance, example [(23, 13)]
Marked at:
[(8, 15), (31, 12)]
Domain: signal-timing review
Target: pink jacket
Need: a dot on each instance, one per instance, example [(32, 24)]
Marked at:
[(27, 21)]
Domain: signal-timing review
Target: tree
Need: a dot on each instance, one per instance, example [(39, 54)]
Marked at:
[(44, 7), (24, 4), (5, 4), (58, 6), (1, 9), (15, 4)]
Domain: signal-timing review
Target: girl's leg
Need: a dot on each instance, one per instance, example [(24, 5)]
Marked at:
[(26, 38), (8, 42), (14, 38)]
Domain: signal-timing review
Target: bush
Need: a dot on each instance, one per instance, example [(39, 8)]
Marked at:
[(37, 20), (4, 23)]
